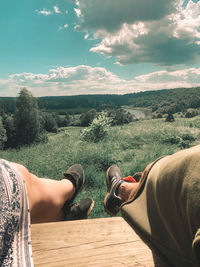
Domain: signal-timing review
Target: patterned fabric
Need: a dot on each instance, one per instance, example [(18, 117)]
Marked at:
[(15, 246)]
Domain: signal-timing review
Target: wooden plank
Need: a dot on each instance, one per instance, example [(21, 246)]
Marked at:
[(96, 242)]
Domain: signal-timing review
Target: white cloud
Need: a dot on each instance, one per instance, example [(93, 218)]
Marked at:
[(159, 32), (57, 10), (44, 12), (191, 75), (87, 80), (78, 12), (65, 26), (86, 36)]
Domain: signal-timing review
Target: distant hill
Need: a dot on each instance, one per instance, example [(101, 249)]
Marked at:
[(161, 101)]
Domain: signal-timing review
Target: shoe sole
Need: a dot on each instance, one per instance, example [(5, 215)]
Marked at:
[(80, 189), (107, 179), (91, 207), (106, 210), (107, 194)]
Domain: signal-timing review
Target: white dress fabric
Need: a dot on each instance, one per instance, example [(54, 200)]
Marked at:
[(15, 244)]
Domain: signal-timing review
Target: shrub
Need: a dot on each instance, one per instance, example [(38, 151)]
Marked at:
[(159, 116), (42, 138), (63, 121), (87, 117), (49, 123), (98, 129), (120, 116), (170, 117), (182, 140), (8, 123), (3, 137), (191, 114), (173, 139)]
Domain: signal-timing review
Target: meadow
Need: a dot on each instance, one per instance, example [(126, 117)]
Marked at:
[(131, 147)]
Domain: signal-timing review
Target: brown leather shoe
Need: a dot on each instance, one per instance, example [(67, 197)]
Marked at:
[(112, 202), (79, 211), (76, 175)]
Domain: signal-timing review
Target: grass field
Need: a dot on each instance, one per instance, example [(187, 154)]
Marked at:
[(130, 146)]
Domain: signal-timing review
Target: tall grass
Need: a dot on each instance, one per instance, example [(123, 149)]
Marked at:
[(131, 146)]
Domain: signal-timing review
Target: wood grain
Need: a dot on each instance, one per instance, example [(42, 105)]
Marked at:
[(94, 242)]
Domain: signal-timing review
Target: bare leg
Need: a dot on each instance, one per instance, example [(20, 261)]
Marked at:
[(127, 191), (46, 196)]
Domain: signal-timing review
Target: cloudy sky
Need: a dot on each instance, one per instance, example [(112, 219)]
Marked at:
[(71, 47)]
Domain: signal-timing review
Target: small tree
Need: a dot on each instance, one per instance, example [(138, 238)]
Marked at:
[(170, 117), (120, 116), (49, 122), (63, 121), (26, 117), (191, 114), (9, 126), (87, 117), (98, 129), (159, 116), (3, 137)]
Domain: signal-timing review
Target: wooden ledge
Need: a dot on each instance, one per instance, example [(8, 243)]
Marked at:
[(93, 242)]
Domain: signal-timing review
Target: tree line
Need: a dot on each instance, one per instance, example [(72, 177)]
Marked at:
[(25, 119), (161, 101), (27, 124)]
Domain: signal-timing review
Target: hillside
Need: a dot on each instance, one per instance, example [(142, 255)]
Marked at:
[(162, 101), (131, 146)]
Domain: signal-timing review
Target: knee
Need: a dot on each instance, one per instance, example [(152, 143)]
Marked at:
[(23, 170)]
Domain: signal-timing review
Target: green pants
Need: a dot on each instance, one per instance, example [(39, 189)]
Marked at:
[(166, 209)]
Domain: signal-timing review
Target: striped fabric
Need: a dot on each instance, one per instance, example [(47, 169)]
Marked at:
[(15, 245)]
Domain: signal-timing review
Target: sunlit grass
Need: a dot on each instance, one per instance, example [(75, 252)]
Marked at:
[(131, 146)]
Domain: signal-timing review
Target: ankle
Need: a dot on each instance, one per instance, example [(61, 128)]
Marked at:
[(70, 188), (127, 191), (122, 191)]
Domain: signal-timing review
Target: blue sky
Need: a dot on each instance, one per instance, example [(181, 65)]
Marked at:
[(66, 47)]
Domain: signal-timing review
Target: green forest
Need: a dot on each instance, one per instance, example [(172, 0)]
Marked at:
[(161, 101), (25, 119)]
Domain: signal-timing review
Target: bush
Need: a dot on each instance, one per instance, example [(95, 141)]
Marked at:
[(42, 138), (159, 116), (63, 121), (120, 116), (3, 137), (170, 117), (98, 129), (9, 125), (191, 114), (87, 117), (173, 139), (49, 123), (182, 140)]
